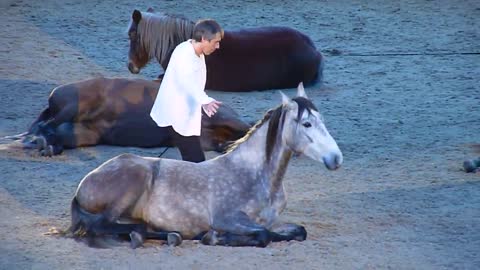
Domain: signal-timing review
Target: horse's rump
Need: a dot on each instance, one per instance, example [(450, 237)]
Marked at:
[(263, 58)]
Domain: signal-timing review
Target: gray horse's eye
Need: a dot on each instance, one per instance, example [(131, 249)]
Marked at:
[(307, 124)]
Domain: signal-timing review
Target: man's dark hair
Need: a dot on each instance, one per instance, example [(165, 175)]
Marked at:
[(207, 29)]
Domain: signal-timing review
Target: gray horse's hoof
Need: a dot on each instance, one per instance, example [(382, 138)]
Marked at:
[(174, 239), (136, 240), (210, 238)]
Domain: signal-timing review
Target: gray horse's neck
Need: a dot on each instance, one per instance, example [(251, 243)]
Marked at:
[(251, 156)]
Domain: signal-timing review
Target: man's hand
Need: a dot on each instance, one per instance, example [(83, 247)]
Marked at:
[(211, 108)]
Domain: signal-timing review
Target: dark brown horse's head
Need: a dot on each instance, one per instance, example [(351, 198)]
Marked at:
[(155, 35), (138, 56)]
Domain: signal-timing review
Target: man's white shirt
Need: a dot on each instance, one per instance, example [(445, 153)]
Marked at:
[(182, 92)]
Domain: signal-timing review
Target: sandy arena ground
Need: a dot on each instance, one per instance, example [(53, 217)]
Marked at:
[(401, 97)]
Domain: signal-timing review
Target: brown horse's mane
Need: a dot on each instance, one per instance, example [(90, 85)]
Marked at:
[(161, 33)]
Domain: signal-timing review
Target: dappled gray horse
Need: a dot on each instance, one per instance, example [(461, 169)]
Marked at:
[(233, 199)]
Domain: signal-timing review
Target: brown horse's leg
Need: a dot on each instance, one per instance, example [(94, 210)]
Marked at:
[(77, 135), (67, 135), (65, 114), (48, 129), (44, 115)]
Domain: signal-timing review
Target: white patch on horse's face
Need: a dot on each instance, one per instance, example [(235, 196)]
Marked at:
[(310, 137)]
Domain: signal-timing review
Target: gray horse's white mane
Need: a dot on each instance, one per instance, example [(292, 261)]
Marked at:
[(161, 33)]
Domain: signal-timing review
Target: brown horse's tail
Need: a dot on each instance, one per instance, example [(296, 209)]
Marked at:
[(319, 75), (318, 78), (26, 137), (32, 130)]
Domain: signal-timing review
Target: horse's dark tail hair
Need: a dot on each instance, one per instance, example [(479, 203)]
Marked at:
[(76, 222), (321, 65), (81, 220), (32, 130)]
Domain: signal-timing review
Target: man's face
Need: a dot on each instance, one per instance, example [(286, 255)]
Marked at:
[(210, 46)]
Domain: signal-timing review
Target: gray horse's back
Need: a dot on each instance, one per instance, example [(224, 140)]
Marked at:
[(118, 184), (166, 194)]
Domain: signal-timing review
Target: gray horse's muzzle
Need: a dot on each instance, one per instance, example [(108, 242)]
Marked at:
[(333, 161)]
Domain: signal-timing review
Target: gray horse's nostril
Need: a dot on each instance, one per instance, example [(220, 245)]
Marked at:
[(338, 160), (332, 162)]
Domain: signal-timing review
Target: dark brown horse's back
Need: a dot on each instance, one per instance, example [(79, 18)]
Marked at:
[(263, 58)]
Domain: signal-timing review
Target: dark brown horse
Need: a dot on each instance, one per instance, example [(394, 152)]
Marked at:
[(249, 59), (117, 112)]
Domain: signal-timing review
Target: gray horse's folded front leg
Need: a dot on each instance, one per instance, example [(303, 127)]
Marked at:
[(236, 229), (288, 232)]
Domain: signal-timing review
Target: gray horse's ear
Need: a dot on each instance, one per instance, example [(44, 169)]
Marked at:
[(150, 9), (136, 16), (301, 91), (285, 98)]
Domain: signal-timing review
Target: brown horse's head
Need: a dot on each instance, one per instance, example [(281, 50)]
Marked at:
[(222, 129), (155, 36), (138, 56)]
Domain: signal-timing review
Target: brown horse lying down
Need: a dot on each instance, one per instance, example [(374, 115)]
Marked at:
[(117, 112), (270, 57)]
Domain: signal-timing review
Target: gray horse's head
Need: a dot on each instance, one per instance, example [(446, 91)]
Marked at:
[(306, 133)]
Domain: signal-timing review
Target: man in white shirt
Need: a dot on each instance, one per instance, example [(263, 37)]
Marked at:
[(182, 96)]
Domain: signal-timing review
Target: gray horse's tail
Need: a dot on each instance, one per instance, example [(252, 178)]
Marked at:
[(81, 220), (76, 222), (78, 225)]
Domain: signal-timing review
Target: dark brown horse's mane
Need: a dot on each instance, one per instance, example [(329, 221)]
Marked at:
[(161, 33), (276, 121)]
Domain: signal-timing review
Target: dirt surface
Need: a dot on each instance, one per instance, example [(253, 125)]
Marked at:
[(401, 98)]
